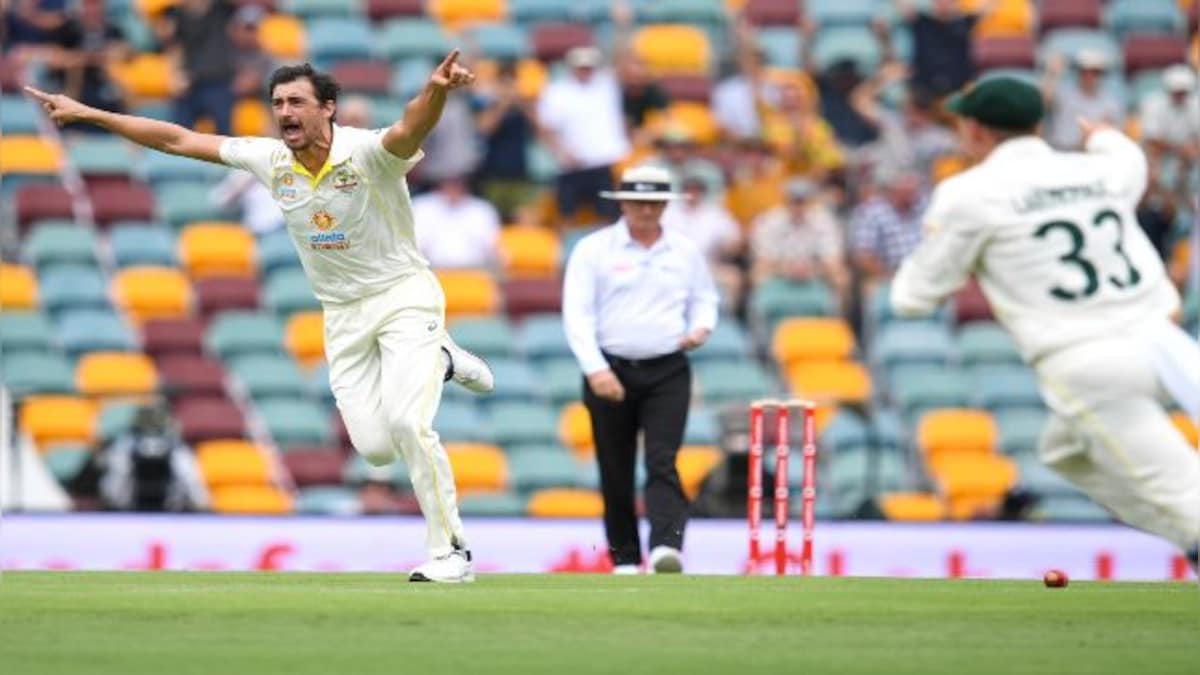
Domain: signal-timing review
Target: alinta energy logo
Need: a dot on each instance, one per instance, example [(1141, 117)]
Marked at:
[(325, 240)]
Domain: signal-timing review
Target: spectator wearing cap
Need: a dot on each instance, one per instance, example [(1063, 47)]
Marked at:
[(1171, 129), (799, 241), (1083, 96), (580, 120), (195, 33), (678, 154), (505, 120), (636, 297), (455, 228), (911, 137), (710, 226), (887, 227)]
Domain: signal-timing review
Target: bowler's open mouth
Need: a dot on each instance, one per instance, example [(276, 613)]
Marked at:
[(291, 131)]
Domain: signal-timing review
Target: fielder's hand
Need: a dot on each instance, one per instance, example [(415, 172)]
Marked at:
[(450, 75), (61, 109), (606, 385), (1088, 127)]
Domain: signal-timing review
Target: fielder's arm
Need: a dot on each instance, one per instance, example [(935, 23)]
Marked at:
[(422, 113), (144, 131)]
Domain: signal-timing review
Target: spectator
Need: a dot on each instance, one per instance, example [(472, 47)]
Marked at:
[(355, 111), (713, 230), (31, 22), (757, 180), (580, 120), (800, 241), (1084, 97), (506, 123), (803, 140), (455, 228), (887, 227), (85, 45), (452, 149), (1171, 131), (252, 64), (677, 153), (149, 468), (736, 96), (942, 60), (911, 138), (197, 35), (640, 91)]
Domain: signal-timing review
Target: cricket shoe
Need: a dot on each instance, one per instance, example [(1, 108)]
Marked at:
[(627, 570), (666, 560), (467, 369), (451, 568)]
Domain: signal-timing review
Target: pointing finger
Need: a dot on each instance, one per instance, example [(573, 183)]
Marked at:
[(38, 94), (450, 59)]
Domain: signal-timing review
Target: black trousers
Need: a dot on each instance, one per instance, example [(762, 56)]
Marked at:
[(583, 186), (657, 393)]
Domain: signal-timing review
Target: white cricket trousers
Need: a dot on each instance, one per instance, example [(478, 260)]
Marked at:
[(1110, 435), (386, 370)]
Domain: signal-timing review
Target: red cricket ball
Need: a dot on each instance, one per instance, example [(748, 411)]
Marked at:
[(1055, 579)]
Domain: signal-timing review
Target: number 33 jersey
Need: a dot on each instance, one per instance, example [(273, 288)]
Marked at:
[(1052, 238)]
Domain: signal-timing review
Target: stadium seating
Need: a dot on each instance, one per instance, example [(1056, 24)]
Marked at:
[(18, 288), (55, 420), (208, 418), (22, 331), (57, 242), (191, 375), (214, 249), (469, 293), (136, 243), (565, 503), (116, 374), (152, 293), (222, 293), (304, 338)]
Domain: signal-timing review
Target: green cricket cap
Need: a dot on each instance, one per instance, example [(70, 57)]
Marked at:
[(1000, 102)]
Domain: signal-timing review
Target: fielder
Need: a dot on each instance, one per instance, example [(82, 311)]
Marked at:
[(1053, 240), (344, 197)]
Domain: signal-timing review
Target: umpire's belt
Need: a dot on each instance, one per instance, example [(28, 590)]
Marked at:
[(648, 362)]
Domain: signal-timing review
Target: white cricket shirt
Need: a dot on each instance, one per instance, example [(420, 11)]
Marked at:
[(1051, 237), (352, 223)]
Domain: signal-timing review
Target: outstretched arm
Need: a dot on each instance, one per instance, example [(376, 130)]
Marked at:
[(144, 131), (422, 113)]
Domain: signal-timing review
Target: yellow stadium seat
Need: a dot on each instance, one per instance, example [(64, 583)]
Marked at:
[(18, 288), (478, 467), (232, 462), (973, 484), (252, 500), (146, 76), (29, 155), (801, 338), (946, 166), (1187, 427), (531, 78), (282, 36), (695, 120), (455, 14), (529, 251), (912, 507), (305, 337), (956, 432), (565, 503), (694, 463), (251, 117), (152, 8), (1010, 18), (217, 249), (51, 420), (673, 49), (575, 428), (116, 374), (152, 292), (469, 292), (831, 380)]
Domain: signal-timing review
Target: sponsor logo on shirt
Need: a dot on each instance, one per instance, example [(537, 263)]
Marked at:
[(323, 221), (345, 181), (283, 189), (326, 240)]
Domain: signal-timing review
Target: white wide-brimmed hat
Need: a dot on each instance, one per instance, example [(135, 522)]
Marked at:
[(1179, 77), (644, 184)]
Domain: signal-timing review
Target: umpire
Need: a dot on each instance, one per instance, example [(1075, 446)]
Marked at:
[(635, 299)]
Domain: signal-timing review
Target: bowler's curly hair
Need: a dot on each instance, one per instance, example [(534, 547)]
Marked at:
[(324, 86)]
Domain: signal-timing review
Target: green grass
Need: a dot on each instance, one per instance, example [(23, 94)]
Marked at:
[(357, 624)]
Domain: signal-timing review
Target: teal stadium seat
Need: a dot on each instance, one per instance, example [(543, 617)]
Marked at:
[(499, 41), (115, 419), (879, 311), (276, 252), (25, 332), (268, 376), (1000, 387), (142, 244), (728, 342), (515, 381), (328, 500), (238, 332), (701, 428), (515, 423), (488, 337), (535, 468), (562, 381), (72, 287), (492, 504), (401, 39), (854, 477), (1079, 509), (318, 385), (1144, 17), (28, 373), (917, 388), (888, 430), (287, 291), (357, 471), (529, 12), (156, 168), (1043, 481), (781, 46), (542, 337), (827, 13), (1020, 430), (460, 421), (854, 43), (20, 115), (409, 76), (308, 9), (60, 241), (721, 382), (776, 299), (903, 342), (845, 432), (66, 462), (338, 38), (294, 422), (986, 343), (708, 14), (183, 202), (101, 156), (1069, 41), (89, 330)]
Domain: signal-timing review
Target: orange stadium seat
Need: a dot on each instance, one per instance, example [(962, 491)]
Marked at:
[(1187, 427), (530, 251), (973, 484), (29, 155), (146, 76), (455, 14), (304, 337), (956, 432), (152, 293), (912, 507), (1009, 18), (565, 503), (252, 500), (694, 463), (669, 49), (531, 78), (116, 374), (18, 288), (217, 249), (282, 37), (232, 462), (478, 467), (469, 292), (693, 119), (575, 428), (251, 117), (51, 420), (830, 381), (805, 338), (152, 8)]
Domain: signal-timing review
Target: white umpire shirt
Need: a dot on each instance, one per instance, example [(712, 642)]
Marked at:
[(634, 302)]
